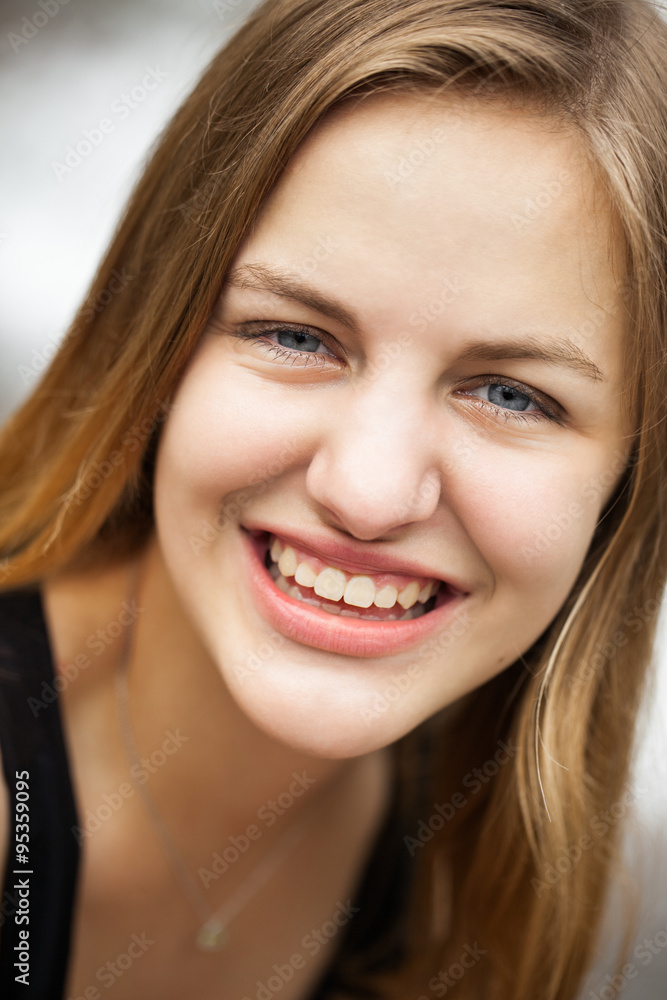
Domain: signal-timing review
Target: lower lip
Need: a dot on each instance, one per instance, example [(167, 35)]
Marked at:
[(347, 636)]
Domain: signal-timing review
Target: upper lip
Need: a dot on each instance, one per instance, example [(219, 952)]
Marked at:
[(354, 558)]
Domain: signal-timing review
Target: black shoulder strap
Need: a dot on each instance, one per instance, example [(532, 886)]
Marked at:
[(43, 854)]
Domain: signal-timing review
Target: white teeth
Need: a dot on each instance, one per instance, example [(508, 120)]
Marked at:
[(305, 575), (357, 591), (287, 562), (276, 550), (333, 585), (334, 609), (408, 596), (360, 592), (386, 598), (330, 584)]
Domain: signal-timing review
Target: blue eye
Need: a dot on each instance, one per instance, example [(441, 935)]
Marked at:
[(288, 345), (508, 397), (302, 341), (513, 402)]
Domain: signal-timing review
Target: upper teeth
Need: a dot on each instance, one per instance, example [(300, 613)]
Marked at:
[(359, 591)]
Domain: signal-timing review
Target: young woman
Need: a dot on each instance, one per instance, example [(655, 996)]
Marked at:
[(334, 538)]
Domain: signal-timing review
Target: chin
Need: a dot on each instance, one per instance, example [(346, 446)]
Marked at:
[(325, 723)]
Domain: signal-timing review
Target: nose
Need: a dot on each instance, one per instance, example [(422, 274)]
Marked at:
[(376, 465)]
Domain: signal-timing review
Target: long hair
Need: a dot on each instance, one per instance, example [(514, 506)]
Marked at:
[(519, 872)]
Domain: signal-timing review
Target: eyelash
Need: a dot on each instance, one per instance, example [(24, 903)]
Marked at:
[(548, 409)]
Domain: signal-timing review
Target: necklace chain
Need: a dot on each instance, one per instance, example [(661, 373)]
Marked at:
[(212, 934)]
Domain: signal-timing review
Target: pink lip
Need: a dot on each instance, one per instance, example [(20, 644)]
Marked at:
[(347, 557), (347, 636)]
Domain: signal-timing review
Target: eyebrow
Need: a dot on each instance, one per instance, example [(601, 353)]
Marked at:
[(289, 286), (528, 349)]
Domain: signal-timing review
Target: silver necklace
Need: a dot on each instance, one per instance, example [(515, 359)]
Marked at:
[(212, 934)]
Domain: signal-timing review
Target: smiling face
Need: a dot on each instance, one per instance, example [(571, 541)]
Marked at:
[(400, 382)]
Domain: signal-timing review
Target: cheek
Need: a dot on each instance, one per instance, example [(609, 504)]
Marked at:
[(222, 445), (528, 519)]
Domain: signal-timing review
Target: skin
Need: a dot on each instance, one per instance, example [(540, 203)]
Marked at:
[(395, 444), (389, 439)]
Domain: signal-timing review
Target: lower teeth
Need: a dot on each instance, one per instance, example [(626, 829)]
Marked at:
[(416, 611)]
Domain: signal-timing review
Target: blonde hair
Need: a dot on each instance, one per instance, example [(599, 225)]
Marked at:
[(76, 459)]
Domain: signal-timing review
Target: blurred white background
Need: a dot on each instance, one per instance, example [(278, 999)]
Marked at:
[(64, 66)]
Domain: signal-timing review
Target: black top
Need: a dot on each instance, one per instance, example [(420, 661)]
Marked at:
[(39, 892), (39, 882)]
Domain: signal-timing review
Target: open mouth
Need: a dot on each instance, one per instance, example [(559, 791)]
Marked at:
[(350, 610), (380, 597)]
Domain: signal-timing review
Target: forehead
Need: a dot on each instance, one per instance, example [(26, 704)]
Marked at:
[(455, 173), (397, 196)]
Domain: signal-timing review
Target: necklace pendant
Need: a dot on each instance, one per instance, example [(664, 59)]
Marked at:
[(212, 936)]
